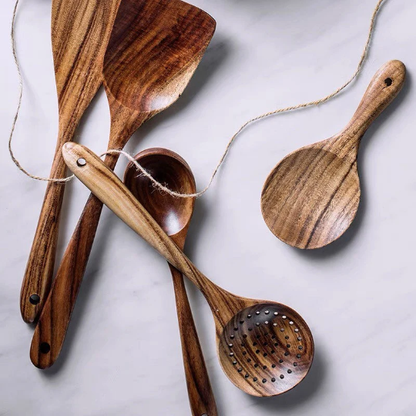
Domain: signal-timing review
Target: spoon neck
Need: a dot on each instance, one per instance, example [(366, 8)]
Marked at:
[(383, 89), (124, 122), (346, 144), (224, 305), (348, 141)]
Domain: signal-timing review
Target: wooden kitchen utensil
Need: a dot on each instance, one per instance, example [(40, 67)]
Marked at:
[(311, 197), (80, 33), (174, 216), (264, 347), (154, 49)]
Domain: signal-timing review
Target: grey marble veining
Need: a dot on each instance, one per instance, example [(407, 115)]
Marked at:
[(357, 295)]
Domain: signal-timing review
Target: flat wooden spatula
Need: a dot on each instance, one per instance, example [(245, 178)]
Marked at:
[(311, 197), (80, 33)]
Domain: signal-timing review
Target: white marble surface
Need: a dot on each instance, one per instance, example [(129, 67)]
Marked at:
[(358, 295)]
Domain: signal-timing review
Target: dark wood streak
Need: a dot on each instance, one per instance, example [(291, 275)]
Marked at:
[(328, 168), (326, 208), (312, 189), (345, 211), (126, 83), (80, 32), (302, 180)]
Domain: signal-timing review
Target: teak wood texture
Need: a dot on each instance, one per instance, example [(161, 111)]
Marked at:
[(174, 216), (265, 348), (80, 33), (311, 197), (154, 49)]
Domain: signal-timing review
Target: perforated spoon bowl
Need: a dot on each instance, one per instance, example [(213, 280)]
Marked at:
[(174, 216), (265, 348), (311, 197)]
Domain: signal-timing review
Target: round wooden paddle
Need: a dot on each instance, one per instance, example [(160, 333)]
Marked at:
[(265, 348), (174, 216), (80, 33), (153, 51), (311, 197)]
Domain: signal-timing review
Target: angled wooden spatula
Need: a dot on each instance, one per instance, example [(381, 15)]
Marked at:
[(154, 49)]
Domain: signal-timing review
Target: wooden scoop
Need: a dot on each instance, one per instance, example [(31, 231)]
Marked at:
[(154, 49), (174, 216), (311, 197), (80, 33), (265, 348)]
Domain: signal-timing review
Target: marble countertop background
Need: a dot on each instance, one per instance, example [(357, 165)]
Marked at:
[(122, 354)]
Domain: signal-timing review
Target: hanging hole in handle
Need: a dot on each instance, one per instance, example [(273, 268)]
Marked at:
[(81, 162), (34, 299), (388, 81), (44, 348)]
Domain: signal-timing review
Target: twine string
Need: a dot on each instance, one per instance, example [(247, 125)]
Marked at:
[(19, 105), (157, 184)]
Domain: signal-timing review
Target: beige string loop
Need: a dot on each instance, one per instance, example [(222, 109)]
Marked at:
[(19, 104), (230, 143)]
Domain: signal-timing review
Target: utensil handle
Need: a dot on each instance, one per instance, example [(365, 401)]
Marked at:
[(51, 329), (39, 270), (201, 397), (383, 89), (112, 192)]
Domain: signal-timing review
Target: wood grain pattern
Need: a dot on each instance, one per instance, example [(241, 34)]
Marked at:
[(265, 348), (174, 216), (311, 197), (153, 51), (80, 33)]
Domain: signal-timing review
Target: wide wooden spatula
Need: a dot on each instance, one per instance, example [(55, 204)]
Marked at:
[(153, 51), (311, 197)]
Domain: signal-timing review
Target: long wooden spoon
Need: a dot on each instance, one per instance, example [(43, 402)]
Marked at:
[(265, 348), (154, 49), (174, 216), (80, 33), (311, 197)]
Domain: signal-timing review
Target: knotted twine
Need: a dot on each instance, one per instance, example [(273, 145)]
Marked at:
[(157, 184)]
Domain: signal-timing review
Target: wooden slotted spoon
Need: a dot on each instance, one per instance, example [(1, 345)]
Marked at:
[(80, 33), (311, 197), (154, 49), (174, 216), (264, 347)]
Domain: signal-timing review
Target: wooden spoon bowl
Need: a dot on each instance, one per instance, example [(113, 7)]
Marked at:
[(311, 198), (172, 214)]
